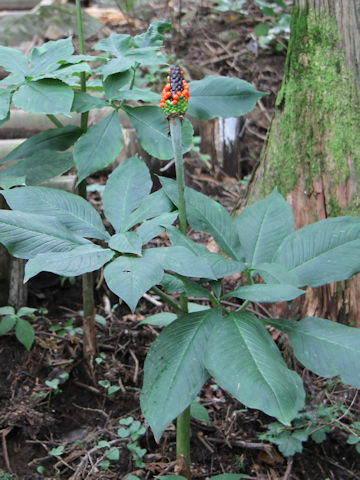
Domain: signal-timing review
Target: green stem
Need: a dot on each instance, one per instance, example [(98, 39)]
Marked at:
[(84, 116), (176, 138), (168, 300), (55, 120), (183, 443)]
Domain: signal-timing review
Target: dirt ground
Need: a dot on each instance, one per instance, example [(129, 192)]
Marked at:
[(37, 419)]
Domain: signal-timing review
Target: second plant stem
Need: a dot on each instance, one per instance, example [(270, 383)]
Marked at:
[(183, 420)]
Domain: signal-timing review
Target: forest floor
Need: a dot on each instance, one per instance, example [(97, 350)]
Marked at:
[(55, 426)]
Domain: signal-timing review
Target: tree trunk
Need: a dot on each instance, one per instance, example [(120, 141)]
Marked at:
[(312, 153)]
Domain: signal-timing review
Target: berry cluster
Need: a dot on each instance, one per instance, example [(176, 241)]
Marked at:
[(175, 95)]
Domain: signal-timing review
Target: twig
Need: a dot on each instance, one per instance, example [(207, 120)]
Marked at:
[(205, 443), (4, 446), (97, 410), (243, 444), (152, 300), (288, 468), (136, 366)]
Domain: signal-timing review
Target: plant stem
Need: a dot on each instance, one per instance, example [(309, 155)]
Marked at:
[(54, 120), (89, 344), (168, 300), (183, 420)]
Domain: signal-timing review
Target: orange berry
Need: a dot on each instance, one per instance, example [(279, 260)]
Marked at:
[(174, 102), (182, 73), (169, 70)]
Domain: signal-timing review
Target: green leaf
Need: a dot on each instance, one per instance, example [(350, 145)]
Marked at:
[(276, 273), (14, 61), (36, 168), (7, 323), (172, 284), (327, 348), (113, 83), (77, 261), (99, 146), (159, 319), (199, 412), (135, 94), (261, 29), (224, 97), (57, 451), (128, 242), (194, 289), (180, 260), (150, 206), (46, 58), (26, 311), (152, 130), (174, 369), (54, 139), (7, 310), (26, 235), (71, 210), (263, 226), (324, 252), (117, 44), (154, 227), (24, 332), (83, 102), (245, 361), (46, 96), (127, 186), (131, 277), (5, 98), (113, 453), (153, 36), (267, 293)]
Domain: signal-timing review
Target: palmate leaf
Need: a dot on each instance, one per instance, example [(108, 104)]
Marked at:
[(71, 210), (83, 259), (263, 226), (26, 235), (327, 348), (154, 227), (267, 293), (245, 361), (324, 252), (53, 139), (46, 96), (46, 58), (127, 186), (174, 369), (14, 61), (99, 146), (127, 242), (152, 130), (224, 97)]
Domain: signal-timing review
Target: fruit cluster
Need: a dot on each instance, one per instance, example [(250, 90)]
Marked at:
[(175, 95)]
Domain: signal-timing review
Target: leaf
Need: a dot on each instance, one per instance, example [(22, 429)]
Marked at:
[(117, 44), (154, 227), (99, 146), (199, 412), (324, 252), (7, 310), (174, 369), (83, 102), (5, 99), (7, 323), (46, 96), (266, 293), (14, 61), (327, 348), (135, 94), (71, 210), (172, 284), (130, 277), (276, 273), (24, 332), (26, 235), (159, 319), (36, 168), (113, 83), (128, 242), (225, 97), (132, 179), (153, 36), (54, 139), (80, 260), (180, 260), (245, 361), (152, 130), (150, 206), (26, 311), (263, 226), (46, 58)]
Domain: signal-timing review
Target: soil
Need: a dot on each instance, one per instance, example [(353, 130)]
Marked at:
[(35, 418)]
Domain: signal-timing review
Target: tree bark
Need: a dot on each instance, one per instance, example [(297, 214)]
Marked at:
[(312, 153)]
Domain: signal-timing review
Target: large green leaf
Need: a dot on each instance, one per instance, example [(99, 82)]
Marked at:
[(152, 130), (113, 83), (46, 58), (327, 348), (181, 260), (83, 259), (26, 235), (174, 369), (150, 206), (83, 102), (276, 273), (267, 293), (153, 37), (135, 94), (224, 97), (127, 242), (54, 139), (44, 96), (24, 332), (154, 227), (36, 169), (245, 361), (71, 210), (99, 146), (117, 44), (131, 277), (5, 98), (263, 226), (127, 186), (324, 252), (14, 61)]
